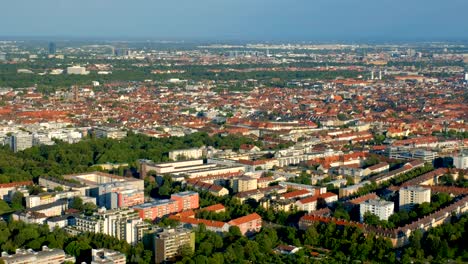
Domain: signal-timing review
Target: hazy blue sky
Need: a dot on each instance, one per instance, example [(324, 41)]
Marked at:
[(238, 19)]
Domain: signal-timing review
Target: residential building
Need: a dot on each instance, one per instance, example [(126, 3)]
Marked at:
[(381, 208), (309, 204), (186, 200), (120, 223), (41, 199), (179, 202), (248, 224), (411, 195), (214, 189), (460, 160), (51, 209), (156, 209), (7, 189), (118, 195), (48, 198), (169, 243), (244, 184)]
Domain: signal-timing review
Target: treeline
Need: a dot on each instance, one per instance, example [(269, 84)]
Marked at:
[(320, 243), (64, 158), (17, 234), (440, 244), (10, 78)]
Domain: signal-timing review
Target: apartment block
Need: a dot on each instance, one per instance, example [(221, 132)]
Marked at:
[(186, 200), (382, 209), (169, 243), (123, 224), (179, 202), (411, 195), (156, 209), (251, 223), (244, 184)]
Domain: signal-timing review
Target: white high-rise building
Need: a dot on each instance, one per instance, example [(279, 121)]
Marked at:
[(411, 195), (123, 224), (381, 208), (460, 161)]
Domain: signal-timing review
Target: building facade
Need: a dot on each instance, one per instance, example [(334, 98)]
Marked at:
[(169, 243), (411, 195), (382, 209), (107, 256)]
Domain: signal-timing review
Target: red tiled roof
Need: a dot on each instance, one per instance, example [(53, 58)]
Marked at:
[(214, 207), (245, 219), (15, 184), (197, 221), (294, 194)]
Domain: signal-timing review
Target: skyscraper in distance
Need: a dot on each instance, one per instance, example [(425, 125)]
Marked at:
[(52, 48)]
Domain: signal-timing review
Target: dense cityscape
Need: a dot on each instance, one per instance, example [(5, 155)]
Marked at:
[(178, 151)]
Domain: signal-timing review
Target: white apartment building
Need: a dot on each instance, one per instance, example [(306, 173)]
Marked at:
[(460, 161), (123, 224), (381, 208), (411, 195)]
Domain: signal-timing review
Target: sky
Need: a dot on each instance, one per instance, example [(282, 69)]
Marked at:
[(262, 20)]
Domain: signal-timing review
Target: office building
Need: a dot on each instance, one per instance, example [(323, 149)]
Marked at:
[(107, 256), (190, 168), (109, 132), (381, 208), (2, 56), (411, 195), (77, 70), (46, 256), (52, 48), (20, 141), (169, 243)]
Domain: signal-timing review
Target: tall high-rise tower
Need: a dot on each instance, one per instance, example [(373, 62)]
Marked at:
[(52, 48)]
